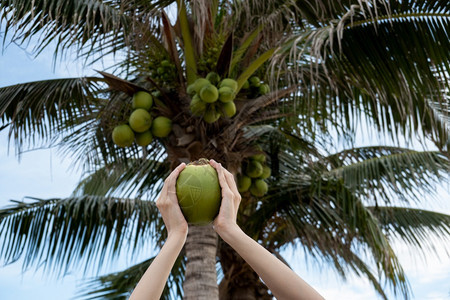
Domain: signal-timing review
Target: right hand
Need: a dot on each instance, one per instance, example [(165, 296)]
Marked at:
[(231, 198), (168, 206)]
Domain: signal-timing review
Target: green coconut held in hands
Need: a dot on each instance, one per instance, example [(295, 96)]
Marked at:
[(198, 192)]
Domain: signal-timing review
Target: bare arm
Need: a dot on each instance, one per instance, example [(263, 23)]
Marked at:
[(154, 279), (281, 280)]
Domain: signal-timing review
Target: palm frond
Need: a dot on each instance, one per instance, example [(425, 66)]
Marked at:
[(413, 226), (390, 171), (38, 110), (119, 285), (142, 177), (61, 233), (395, 79), (93, 26)]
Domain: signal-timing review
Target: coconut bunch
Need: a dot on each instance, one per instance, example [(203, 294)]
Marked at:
[(255, 87), (252, 179), (162, 71), (213, 97), (141, 126)]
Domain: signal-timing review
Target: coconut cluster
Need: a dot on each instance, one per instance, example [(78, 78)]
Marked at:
[(255, 87), (255, 171), (141, 126), (213, 97), (162, 71)]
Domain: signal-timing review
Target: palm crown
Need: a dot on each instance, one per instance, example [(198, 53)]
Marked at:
[(331, 66)]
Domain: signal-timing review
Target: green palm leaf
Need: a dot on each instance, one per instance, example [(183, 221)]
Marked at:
[(119, 285), (93, 26), (61, 233), (124, 178), (38, 110), (413, 226), (389, 171)]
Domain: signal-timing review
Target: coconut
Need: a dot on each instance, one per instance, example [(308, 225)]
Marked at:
[(200, 83), (254, 169), (123, 135), (229, 109), (140, 120), (255, 81), (191, 89), (266, 172), (246, 85), (226, 94), (145, 138), (161, 126), (209, 93), (213, 77), (231, 83), (259, 157), (198, 192), (211, 115), (197, 106), (259, 188), (243, 183), (142, 100), (264, 89)]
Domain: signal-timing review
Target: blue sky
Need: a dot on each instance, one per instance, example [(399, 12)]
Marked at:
[(45, 174)]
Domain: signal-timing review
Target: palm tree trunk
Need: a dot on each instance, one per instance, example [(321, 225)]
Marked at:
[(240, 282), (201, 277)]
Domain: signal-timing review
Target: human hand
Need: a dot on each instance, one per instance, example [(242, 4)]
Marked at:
[(168, 206), (226, 219)]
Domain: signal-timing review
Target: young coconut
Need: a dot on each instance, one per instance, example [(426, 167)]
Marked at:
[(259, 188), (161, 126), (211, 115), (140, 120), (243, 183), (200, 83), (123, 135), (231, 83), (266, 172), (209, 93), (197, 106), (226, 94), (213, 77), (142, 100), (254, 169), (229, 109), (198, 192), (144, 139)]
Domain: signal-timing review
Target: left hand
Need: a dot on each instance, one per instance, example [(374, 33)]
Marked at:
[(167, 204)]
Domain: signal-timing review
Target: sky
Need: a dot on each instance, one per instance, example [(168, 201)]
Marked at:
[(45, 174)]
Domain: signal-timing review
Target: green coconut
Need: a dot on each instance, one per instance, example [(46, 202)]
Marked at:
[(229, 109), (209, 93), (211, 115), (197, 106), (254, 169), (161, 126), (144, 138), (198, 192), (246, 85), (191, 89), (226, 94), (213, 77), (243, 183), (142, 100), (231, 83), (140, 120), (123, 135), (200, 83), (264, 89), (266, 172), (255, 81), (259, 157), (259, 188)]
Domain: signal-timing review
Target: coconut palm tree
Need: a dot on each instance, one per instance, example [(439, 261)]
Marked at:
[(326, 68)]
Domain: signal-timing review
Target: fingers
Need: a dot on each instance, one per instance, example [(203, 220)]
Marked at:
[(220, 172), (169, 183)]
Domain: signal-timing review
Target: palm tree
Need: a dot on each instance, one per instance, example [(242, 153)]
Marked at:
[(331, 66)]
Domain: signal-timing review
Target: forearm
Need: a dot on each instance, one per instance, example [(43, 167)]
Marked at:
[(153, 281), (281, 280)]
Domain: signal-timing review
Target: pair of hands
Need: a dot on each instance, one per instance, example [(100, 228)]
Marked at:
[(174, 220)]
